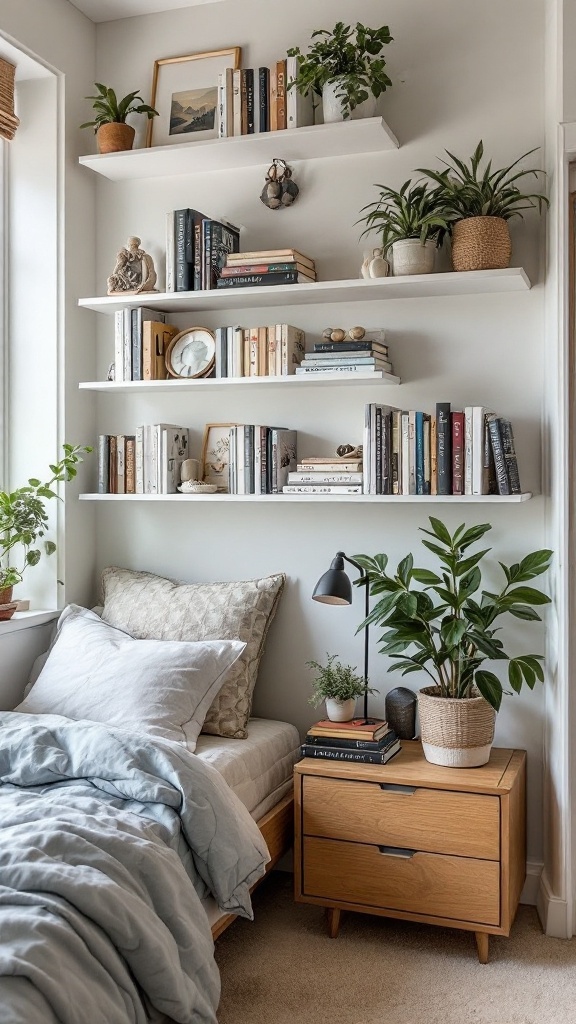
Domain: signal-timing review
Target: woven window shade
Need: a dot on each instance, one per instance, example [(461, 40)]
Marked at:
[(8, 121)]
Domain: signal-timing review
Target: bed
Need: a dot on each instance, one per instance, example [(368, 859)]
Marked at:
[(128, 841)]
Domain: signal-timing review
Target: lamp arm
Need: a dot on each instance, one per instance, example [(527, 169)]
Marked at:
[(364, 578)]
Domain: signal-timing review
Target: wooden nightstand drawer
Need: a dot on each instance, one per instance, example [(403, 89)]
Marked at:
[(433, 820), (460, 888)]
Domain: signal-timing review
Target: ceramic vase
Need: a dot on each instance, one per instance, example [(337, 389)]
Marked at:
[(409, 256), (332, 104), (340, 710)]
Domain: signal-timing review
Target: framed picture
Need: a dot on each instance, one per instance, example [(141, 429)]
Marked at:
[(216, 455), (185, 94)]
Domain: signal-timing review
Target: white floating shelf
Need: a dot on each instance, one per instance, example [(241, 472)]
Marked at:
[(347, 138), (369, 499), (418, 286), (155, 387)]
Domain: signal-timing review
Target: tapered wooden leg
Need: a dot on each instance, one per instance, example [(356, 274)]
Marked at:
[(482, 942), (333, 919)]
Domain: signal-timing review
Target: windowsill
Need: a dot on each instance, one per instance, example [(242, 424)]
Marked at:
[(25, 620)]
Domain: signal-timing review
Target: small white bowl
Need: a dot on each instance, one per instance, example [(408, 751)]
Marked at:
[(196, 487)]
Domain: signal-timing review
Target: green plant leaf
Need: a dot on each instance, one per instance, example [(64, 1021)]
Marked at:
[(452, 632), (425, 576), (528, 595), (49, 547), (404, 571), (490, 687), (33, 557)]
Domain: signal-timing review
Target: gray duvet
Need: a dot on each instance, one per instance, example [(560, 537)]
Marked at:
[(107, 843)]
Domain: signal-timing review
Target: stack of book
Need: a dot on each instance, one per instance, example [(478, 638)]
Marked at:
[(258, 100), (139, 335), (329, 357), (373, 743), (454, 452), (260, 458), (331, 475), (196, 250), (146, 462), (266, 266), (269, 351)]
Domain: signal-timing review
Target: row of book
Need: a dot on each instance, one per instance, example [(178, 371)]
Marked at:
[(271, 351), (196, 250), (260, 458), (364, 356), (138, 332), (369, 742), (331, 475), (266, 267), (146, 462), (454, 452), (258, 100)]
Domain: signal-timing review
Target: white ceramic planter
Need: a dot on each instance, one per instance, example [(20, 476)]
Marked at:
[(409, 256), (340, 710), (332, 105)]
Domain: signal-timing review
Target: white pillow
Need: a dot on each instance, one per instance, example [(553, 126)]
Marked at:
[(160, 687)]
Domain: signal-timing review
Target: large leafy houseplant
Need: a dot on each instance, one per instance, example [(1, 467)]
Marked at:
[(443, 623), (415, 211), (349, 55), (23, 518)]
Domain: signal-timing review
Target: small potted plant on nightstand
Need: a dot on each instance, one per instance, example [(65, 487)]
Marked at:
[(479, 204), (112, 133), (345, 68), (23, 520), (445, 627), (339, 686), (411, 223)]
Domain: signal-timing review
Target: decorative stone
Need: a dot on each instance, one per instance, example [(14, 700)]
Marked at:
[(356, 333), (400, 712), (327, 334), (338, 334)]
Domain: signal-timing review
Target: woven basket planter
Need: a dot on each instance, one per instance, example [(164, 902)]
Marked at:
[(481, 243), (455, 733), (114, 137)]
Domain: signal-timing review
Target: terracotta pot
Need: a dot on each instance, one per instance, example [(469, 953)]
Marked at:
[(481, 243), (455, 733), (114, 137), (340, 710), (6, 594), (7, 605)]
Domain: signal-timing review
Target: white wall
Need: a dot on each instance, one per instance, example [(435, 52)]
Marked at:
[(457, 78), (18, 651)]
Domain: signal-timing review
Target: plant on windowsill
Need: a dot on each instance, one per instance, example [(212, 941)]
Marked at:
[(23, 520), (345, 68), (451, 633), (112, 133), (412, 224), (339, 686), (479, 204)]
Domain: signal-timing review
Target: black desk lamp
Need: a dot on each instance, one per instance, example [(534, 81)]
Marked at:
[(334, 587)]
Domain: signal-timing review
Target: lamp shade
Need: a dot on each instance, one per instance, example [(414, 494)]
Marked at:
[(334, 587)]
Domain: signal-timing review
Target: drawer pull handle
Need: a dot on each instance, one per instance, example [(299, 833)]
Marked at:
[(391, 787), (396, 851)]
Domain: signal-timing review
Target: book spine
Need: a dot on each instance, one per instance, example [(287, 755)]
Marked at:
[(181, 264), (427, 460), (206, 251), (405, 458), (378, 452), (139, 459), (272, 105), (131, 465), (261, 268), (220, 355), (264, 122), (396, 451), (502, 480), (457, 453), (489, 470), (300, 477), (228, 101), (113, 466), (375, 745), (444, 448), (280, 94), (366, 347), (419, 428), (433, 457), (344, 368), (412, 451), (320, 489), (243, 102), (468, 428), (136, 321), (121, 463), (103, 463), (250, 116), (222, 118), (170, 275), (197, 282), (510, 456), (337, 754), (309, 466), (237, 101), (252, 280), (127, 343), (479, 476), (119, 345)]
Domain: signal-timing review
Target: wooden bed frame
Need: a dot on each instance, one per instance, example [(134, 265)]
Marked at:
[(277, 828)]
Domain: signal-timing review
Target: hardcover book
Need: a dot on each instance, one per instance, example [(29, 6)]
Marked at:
[(356, 744), (457, 452), (356, 728), (322, 489), (444, 448), (219, 241), (502, 481), (139, 316), (510, 456), (103, 463), (255, 280), (282, 457), (341, 754), (280, 94), (264, 121), (299, 109), (156, 336)]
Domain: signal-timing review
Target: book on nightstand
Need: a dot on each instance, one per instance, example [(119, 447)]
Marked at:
[(334, 740), (356, 728), (343, 754)]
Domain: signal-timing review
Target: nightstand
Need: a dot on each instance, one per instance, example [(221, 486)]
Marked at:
[(411, 840)]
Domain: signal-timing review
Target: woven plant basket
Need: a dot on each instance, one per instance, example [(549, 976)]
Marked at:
[(8, 121), (481, 243), (114, 137), (455, 733)]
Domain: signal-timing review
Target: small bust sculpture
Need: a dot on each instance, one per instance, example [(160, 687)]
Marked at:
[(133, 272)]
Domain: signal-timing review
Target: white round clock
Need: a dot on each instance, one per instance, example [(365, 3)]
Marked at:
[(191, 353)]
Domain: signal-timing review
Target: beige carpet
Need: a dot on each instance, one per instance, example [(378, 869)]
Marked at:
[(283, 969)]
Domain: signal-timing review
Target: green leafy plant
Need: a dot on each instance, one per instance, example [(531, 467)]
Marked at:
[(451, 631), (349, 54), (467, 191), (416, 211), (110, 110), (335, 681), (23, 518)]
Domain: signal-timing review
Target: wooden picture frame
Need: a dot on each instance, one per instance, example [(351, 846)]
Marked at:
[(215, 469), (179, 82)]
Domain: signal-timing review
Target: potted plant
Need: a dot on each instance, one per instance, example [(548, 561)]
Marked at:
[(411, 223), (345, 68), (109, 124), (479, 204), (339, 686), (443, 624), (23, 520)]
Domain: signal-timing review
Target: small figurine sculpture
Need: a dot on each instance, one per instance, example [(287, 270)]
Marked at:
[(375, 265), (134, 271)]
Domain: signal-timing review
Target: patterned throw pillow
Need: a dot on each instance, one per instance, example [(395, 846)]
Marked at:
[(152, 608)]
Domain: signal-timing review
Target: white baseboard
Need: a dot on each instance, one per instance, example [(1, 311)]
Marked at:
[(531, 888), (552, 911)]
